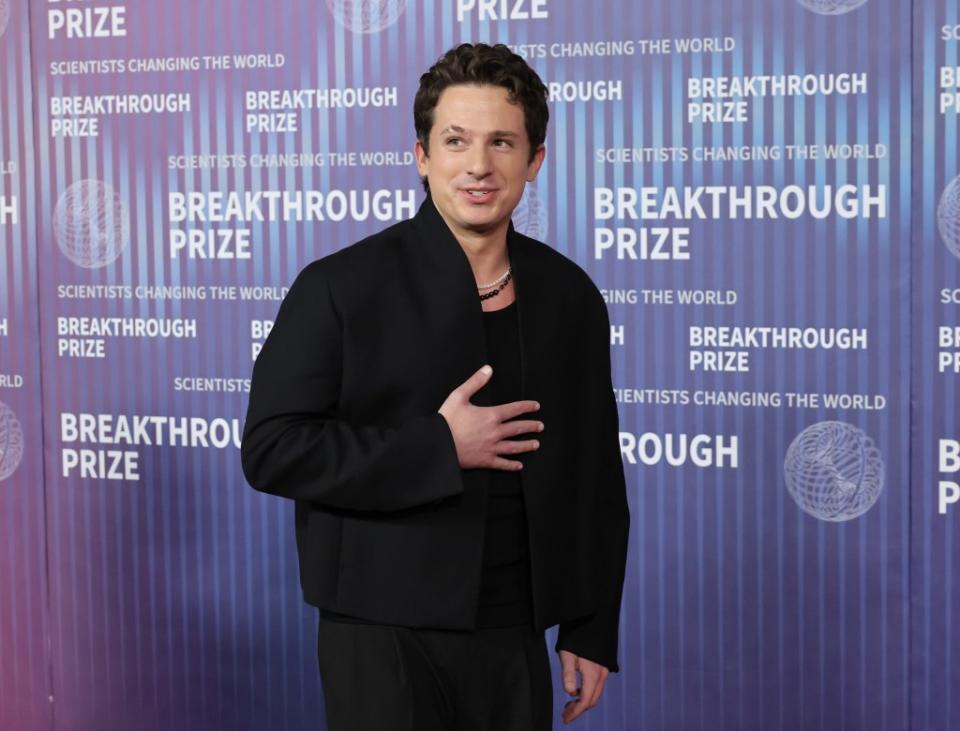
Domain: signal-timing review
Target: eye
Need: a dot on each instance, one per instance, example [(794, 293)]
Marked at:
[(454, 141), (500, 142)]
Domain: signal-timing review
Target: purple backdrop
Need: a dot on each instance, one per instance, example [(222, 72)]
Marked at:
[(735, 176)]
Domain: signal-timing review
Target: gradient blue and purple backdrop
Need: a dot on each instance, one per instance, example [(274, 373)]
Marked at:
[(172, 602)]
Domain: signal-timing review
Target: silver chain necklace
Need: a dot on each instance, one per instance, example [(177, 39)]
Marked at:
[(500, 280)]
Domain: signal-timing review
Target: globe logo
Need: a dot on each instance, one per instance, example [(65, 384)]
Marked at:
[(4, 15), (831, 7), (530, 216), (11, 442), (366, 16), (91, 224), (833, 471), (948, 216)]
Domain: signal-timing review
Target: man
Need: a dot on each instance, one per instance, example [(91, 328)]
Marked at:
[(448, 512)]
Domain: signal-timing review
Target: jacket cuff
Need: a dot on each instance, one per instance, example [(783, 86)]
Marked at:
[(593, 637)]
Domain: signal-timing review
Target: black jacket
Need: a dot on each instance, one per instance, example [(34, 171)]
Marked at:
[(343, 419)]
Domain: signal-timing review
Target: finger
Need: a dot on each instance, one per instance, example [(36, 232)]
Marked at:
[(598, 691), (509, 447), (475, 382), (588, 690), (513, 428), (508, 465), (515, 408), (572, 710), (568, 666)]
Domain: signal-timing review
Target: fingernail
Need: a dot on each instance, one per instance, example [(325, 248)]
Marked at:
[(536, 405), (536, 445), (540, 426), (486, 370)]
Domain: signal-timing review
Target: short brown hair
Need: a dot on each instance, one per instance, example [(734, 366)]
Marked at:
[(483, 65)]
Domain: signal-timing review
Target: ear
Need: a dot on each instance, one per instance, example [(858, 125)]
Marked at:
[(534, 167), (422, 159)]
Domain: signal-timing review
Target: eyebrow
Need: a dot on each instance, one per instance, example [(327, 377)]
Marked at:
[(495, 133)]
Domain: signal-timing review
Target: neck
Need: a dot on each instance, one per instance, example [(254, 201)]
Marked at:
[(488, 261), (486, 251)]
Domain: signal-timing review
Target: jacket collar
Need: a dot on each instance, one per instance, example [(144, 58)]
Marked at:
[(452, 283), (446, 252)]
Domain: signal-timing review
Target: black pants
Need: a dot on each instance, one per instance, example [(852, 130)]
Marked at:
[(379, 678)]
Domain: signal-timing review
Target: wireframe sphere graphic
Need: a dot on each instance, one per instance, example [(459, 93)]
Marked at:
[(948, 216), (530, 215), (11, 442), (91, 224), (366, 16), (833, 471), (4, 15), (831, 7)]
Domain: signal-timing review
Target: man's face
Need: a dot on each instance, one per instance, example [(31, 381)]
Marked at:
[(479, 158)]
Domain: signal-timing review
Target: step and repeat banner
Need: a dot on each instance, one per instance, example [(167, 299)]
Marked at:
[(24, 622), (747, 207), (743, 180), (935, 486)]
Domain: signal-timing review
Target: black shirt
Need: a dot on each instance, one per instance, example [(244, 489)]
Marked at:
[(505, 591)]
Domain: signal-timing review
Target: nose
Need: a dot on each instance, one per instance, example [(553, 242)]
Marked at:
[(479, 164)]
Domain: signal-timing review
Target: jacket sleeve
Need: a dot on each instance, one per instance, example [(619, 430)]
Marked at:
[(595, 636), (294, 445)]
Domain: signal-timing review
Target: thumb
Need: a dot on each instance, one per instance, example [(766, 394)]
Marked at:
[(477, 381), (568, 665)]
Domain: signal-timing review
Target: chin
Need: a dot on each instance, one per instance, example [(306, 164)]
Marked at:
[(481, 225), (478, 218)]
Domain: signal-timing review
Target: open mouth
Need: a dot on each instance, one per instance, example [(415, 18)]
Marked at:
[(479, 194)]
